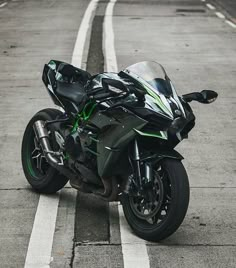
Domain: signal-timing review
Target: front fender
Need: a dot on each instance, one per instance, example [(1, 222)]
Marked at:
[(162, 154), (169, 154)]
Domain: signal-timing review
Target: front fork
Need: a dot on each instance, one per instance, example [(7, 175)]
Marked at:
[(143, 170)]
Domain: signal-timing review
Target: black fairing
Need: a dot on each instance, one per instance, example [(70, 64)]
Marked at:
[(116, 132), (116, 119), (184, 125), (68, 89), (155, 121), (49, 79)]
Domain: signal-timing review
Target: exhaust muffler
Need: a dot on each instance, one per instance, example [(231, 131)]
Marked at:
[(43, 137)]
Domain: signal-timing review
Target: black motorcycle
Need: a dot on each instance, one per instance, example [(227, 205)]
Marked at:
[(115, 138)]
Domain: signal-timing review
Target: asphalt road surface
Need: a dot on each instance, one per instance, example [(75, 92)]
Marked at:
[(198, 49)]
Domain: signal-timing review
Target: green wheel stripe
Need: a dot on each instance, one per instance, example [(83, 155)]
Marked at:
[(29, 163)]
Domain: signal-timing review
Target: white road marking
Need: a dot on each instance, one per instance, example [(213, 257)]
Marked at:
[(210, 6), (133, 248), (203, 0), (110, 54), (41, 239), (230, 23), (220, 15), (40, 244), (81, 37), (3, 4)]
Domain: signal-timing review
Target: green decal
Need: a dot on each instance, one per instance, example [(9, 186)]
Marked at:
[(66, 157), (160, 134), (84, 115), (157, 100), (155, 96)]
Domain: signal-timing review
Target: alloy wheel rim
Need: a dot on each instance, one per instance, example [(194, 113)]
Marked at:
[(36, 161), (159, 211)]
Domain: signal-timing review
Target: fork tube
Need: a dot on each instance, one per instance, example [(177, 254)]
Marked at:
[(137, 163)]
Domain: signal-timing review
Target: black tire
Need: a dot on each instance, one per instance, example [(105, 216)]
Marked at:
[(51, 181), (179, 186)]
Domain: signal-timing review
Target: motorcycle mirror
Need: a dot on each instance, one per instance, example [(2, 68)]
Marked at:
[(208, 96), (205, 96)]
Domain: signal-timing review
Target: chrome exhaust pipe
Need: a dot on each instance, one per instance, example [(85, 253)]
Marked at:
[(43, 137)]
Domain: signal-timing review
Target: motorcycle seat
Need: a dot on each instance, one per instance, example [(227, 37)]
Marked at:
[(74, 92)]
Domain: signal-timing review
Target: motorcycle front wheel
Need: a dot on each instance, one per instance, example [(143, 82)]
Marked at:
[(160, 216)]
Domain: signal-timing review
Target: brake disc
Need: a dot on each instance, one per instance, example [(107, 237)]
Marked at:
[(149, 204)]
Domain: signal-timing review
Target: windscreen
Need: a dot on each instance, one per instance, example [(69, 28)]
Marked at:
[(152, 73), (153, 77)]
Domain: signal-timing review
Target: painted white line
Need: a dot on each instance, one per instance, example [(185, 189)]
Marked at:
[(77, 56), (220, 15), (231, 23), (3, 4), (41, 239), (133, 248), (210, 6), (110, 54), (203, 0)]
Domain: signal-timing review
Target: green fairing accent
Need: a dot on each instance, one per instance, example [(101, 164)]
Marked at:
[(76, 124), (157, 99), (83, 115), (159, 134), (86, 117), (66, 156)]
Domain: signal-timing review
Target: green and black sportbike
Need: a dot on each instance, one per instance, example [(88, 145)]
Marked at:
[(115, 138)]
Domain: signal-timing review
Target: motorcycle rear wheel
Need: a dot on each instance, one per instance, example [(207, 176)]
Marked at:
[(174, 204), (45, 179)]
